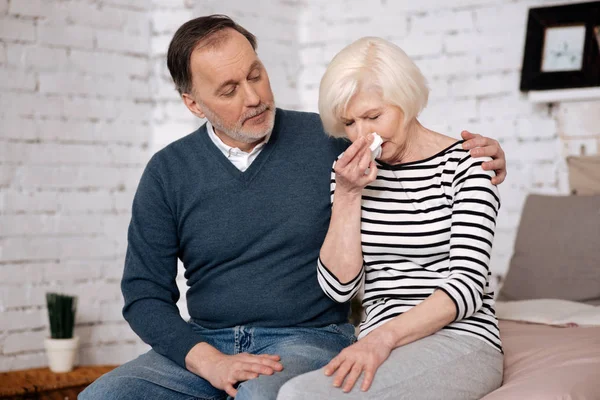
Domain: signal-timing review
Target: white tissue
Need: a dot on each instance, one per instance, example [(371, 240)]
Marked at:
[(376, 146), (375, 149)]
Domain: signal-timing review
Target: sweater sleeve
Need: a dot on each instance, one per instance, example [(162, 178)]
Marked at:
[(475, 208), (149, 279)]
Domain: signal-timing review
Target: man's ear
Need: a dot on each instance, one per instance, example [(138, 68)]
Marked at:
[(192, 105)]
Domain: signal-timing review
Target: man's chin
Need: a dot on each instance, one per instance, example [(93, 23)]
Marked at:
[(260, 130), (253, 135)]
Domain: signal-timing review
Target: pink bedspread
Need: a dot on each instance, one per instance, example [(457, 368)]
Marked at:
[(543, 362)]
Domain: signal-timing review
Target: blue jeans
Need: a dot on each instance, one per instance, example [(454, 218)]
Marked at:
[(153, 376)]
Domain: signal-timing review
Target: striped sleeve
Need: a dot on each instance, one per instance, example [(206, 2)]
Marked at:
[(475, 207), (333, 288)]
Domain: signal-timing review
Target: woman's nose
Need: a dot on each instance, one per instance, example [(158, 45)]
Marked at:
[(363, 129)]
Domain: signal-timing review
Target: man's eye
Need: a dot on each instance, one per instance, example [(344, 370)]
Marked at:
[(254, 78), (229, 93), (349, 123), (375, 117)]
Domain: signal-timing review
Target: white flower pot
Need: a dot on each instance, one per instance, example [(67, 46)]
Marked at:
[(61, 353)]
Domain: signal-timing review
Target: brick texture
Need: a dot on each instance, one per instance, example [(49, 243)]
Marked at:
[(86, 99)]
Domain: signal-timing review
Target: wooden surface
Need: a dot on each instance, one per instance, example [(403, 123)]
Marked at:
[(41, 383)]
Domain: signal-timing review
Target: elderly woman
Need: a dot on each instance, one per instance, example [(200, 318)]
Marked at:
[(416, 227)]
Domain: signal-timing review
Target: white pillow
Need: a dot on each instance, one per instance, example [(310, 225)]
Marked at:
[(549, 312)]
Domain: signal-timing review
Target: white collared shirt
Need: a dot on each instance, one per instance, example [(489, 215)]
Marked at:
[(239, 158)]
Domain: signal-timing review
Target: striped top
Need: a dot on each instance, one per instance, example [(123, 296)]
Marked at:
[(426, 225)]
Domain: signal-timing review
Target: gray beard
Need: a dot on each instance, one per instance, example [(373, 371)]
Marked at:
[(236, 133)]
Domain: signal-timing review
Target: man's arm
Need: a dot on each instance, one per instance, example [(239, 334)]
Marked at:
[(148, 283), (482, 146), (151, 294)]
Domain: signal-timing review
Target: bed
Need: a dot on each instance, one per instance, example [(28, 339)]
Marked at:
[(549, 303), (543, 362)]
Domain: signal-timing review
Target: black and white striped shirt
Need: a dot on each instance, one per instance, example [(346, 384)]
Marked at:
[(426, 225)]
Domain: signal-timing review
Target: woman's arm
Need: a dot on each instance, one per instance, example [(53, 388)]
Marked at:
[(474, 210), (341, 251), (341, 263), (425, 319)]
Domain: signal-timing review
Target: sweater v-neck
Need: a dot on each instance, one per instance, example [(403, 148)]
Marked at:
[(250, 173)]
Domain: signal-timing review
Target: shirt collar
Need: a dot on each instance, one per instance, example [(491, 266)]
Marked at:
[(228, 150)]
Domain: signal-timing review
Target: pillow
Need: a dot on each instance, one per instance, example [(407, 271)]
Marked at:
[(557, 251), (549, 312), (584, 174)]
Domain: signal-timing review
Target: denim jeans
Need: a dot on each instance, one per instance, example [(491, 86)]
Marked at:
[(153, 376)]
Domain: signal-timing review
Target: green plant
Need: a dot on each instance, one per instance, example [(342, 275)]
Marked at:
[(61, 314)]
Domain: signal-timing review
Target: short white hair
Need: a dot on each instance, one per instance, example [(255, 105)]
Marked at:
[(371, 60)]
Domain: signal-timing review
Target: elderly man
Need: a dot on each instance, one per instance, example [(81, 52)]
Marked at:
[(244, 203)]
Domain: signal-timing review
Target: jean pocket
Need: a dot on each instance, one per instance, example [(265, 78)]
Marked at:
[(346, 330)]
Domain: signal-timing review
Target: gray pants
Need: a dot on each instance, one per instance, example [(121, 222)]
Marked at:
[(444, 366)]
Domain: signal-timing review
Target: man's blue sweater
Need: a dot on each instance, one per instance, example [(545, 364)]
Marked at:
[(249, 240)]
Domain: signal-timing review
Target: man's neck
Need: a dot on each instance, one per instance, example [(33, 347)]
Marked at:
[(245, 147)]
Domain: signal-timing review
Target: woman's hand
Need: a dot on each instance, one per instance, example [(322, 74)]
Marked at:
[(366, 356), (481, 146), (350, 169)]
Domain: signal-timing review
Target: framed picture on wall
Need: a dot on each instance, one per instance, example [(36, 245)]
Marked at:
[(562, 47)]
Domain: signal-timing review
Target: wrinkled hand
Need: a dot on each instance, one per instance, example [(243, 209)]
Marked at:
[(366, 356), (482, 146), (224, 371), (350, 168)]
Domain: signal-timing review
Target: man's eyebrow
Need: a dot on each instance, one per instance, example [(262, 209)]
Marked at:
[(254, 65), (228, 82)]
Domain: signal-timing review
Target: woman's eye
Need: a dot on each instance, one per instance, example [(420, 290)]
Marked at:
[(375, 117), (349, 123)]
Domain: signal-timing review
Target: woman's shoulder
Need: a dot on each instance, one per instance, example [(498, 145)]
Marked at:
[(458, 162), (453, 151)]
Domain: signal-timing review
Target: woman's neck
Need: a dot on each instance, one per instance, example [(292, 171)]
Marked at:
[(421, 143)]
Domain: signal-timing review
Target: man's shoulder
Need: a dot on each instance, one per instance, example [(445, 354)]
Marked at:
[(309, 123), (305, 119), (176, 151)]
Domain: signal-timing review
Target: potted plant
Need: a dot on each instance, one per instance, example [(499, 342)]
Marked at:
[(61, 346)]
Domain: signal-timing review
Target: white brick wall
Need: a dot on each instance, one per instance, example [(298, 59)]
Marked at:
[(471, 52), (86, 98), (75, 133)]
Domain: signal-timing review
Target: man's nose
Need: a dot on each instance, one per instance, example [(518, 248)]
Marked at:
[(252, 98)]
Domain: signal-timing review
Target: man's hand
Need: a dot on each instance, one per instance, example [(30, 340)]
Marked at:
[(482, 146), (224, 371), (366, 356)]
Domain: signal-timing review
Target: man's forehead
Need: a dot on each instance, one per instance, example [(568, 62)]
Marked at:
[(225, 60)]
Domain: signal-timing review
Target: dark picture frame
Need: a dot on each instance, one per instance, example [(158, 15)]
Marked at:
[(562, 47)]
